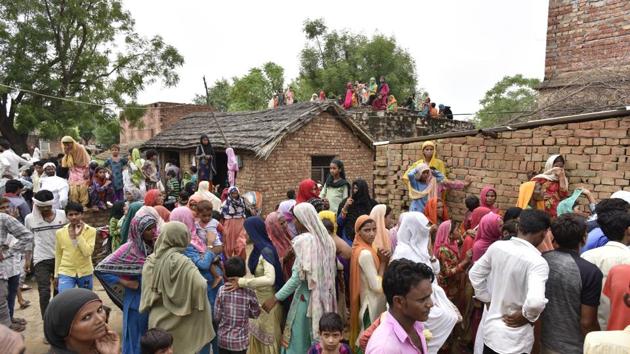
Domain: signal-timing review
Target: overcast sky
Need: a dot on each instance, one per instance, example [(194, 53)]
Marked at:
[(461, 47)]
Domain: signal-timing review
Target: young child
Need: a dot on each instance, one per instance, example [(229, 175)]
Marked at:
[(472, 202), (209, 229), (172, 185), (116, 164), (150, 170), (330, 336), (73, 251), (232, 311), (156, 341), (183, 198), (116, 214), (509, 229), (101, 189), (193, 174)]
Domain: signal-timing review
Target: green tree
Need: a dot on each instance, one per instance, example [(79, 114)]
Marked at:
[(250, 92), (343, 56), (69, 49), (506, 100), (219, 95)]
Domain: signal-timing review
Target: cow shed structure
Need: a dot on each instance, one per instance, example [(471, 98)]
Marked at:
[(277, 148)]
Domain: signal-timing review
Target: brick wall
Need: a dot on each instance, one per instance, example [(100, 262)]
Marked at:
[(403, 124), (157, 117), (582, 33), (587, 58), (596, 154), (290, 162)]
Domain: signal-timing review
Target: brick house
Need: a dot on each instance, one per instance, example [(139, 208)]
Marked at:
[(277, 148), (157, 117)]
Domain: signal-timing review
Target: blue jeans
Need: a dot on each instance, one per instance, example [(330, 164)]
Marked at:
[(13, 286), (67, 282)]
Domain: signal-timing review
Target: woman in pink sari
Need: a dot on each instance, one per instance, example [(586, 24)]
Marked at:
[(347, 103)]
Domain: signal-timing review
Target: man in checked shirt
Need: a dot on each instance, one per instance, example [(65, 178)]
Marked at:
[(232, 311), (10, 226)]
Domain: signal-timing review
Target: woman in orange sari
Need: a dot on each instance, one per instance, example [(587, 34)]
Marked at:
[(367, 300)]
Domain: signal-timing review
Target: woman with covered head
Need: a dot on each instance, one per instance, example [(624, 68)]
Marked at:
[(554, 184), (367, 266), (77, 160), (307, 189), (264, 264), (234, 214), (278, 232), (175, 293), (488, 198), (206, 160), (76, 322), (426, 179), (123, 268), (286, 209), (232, 165), (357, 204), (204, 193), (414, 243), (312, 282), (155, 199), (336, 188)]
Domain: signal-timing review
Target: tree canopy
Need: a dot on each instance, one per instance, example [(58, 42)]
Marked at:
[(68, 51), (337, 57), (506, 100), (249, 92)]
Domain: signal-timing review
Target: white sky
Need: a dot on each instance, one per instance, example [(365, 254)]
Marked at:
[(461, 47)]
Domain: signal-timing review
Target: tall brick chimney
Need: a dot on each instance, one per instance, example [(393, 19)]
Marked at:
[(587, 65)]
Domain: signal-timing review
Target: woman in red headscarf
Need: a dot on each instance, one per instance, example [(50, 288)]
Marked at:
[(488, 197), (154, 199), (306, 190)]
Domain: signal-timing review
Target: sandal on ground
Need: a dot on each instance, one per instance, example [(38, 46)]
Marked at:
[(18, 320), (25, 304), (17, 327)]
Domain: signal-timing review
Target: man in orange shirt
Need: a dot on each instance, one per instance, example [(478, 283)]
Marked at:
[(617, 289)]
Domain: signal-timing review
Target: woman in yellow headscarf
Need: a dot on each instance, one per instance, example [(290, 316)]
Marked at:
[(429, 156), (77, 160)]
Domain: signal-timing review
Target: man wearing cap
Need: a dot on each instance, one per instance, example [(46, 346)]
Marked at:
[(44, 222), (55, 184)]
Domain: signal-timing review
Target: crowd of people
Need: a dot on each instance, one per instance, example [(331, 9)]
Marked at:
[(373, 94), (329, 270)]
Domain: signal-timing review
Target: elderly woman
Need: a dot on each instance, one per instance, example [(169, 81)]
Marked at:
[(175, 293)]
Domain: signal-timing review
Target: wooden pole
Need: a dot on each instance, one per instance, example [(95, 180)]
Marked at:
[(227, 143)]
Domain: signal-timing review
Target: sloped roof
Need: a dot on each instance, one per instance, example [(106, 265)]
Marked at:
[(258, 131)]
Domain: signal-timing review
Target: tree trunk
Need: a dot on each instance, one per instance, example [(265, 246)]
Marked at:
[(17, 140)]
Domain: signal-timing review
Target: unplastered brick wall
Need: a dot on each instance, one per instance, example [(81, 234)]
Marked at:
[(402, 124), (290, 162), (582, 34), (596, 154)]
